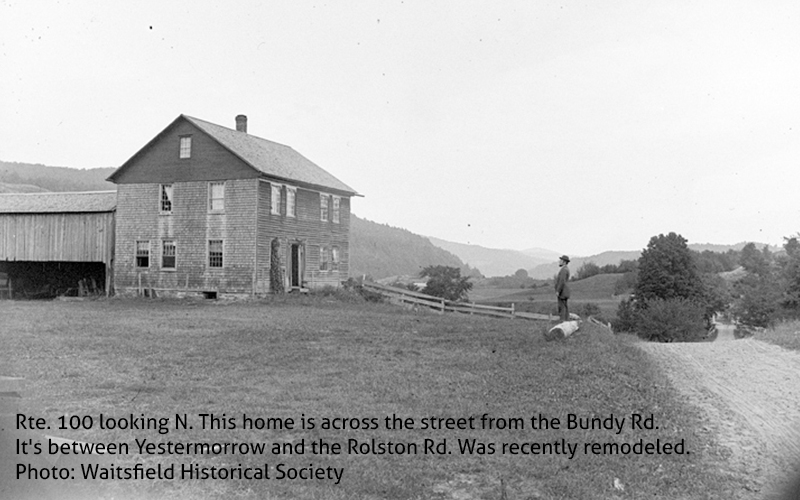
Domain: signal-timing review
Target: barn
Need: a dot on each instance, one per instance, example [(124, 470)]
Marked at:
[(55, 244)]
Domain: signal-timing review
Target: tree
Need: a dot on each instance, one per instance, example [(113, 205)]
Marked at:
[(446, 282), (587, 270), (671, 300), (756, 261), (791, 272), (521, 274), (668, 271)]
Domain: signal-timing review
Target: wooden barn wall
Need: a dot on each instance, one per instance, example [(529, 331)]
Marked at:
[(83, 237), (305, 228), (190, 225)]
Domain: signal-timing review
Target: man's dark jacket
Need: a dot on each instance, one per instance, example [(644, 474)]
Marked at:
[(562, 282)]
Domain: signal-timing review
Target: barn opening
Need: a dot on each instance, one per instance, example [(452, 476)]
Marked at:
[(46, 280), (56, 244)]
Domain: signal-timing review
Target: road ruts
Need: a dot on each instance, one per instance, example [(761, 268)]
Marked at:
[(750, 394)]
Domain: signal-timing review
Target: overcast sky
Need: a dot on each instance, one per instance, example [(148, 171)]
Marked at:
[(574, 126)]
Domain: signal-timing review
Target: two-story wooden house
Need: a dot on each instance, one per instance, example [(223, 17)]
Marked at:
[(210, 210)]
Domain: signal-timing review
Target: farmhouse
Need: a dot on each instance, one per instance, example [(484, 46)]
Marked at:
[(56, 243), (201, 209), (207, 209)]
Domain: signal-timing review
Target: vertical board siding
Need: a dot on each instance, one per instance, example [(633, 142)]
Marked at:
[(50, 237)]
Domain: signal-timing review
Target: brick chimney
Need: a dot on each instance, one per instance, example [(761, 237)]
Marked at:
[(241, 123)]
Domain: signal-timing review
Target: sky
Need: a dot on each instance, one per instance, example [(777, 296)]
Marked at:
[(578, 127)]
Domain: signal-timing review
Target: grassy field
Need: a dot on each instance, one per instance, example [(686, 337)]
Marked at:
[(785, 334), (597, 290), (320, 357)]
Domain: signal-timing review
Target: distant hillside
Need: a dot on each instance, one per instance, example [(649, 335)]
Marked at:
[(546, 271), (380, 251), (542, 253), (549, 270), (492, 261), (20, 188), (595, 288), (19, 177)]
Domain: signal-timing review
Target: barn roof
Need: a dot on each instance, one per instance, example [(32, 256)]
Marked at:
[(29, 203)]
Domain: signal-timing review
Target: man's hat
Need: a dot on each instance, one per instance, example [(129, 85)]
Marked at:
[(564, 258)]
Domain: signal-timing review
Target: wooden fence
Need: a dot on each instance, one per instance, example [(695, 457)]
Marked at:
[(408, 298)]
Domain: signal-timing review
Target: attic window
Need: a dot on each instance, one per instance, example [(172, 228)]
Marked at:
[(186, 146)]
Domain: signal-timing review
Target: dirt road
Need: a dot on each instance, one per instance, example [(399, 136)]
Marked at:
[(750, 392)]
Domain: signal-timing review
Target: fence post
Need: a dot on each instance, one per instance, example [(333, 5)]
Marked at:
[(442, 306), (513, 309)]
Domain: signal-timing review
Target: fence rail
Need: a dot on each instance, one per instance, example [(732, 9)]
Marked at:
[(407, 297)]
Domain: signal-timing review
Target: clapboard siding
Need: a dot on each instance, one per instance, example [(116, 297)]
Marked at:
[(306, 228), (52, 237)]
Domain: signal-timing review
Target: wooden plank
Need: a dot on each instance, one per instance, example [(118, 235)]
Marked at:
[(528, 315)]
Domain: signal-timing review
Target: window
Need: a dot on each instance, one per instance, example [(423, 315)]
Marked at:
[(276, 199), (336, 203), (334, 258), (166, 198), (323, 207), (186, 146), (216, 196), (142, 253), (168, 254), (214, 253), (324, 258), (291, 196)]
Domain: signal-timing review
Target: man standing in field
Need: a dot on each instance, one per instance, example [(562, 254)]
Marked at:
[(562, 288)]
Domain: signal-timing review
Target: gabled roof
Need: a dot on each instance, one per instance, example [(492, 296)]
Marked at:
[(272, 159), (30, 203)]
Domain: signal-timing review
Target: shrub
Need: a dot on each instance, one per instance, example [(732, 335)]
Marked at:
[(446, 282), (626, 317), (671, 320), (588, 309), (352, 285), (757, 304)]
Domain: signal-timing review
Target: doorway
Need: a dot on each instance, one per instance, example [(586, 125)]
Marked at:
[(296, 265)]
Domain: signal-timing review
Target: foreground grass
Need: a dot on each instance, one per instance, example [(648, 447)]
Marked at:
[(324, 358), (785, 334)]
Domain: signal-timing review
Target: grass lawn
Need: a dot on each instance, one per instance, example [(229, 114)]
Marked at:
[(597, 290), (318, 357), (785, 334)]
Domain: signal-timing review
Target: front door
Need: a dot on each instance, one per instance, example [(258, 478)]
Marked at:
[(296, 269)]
